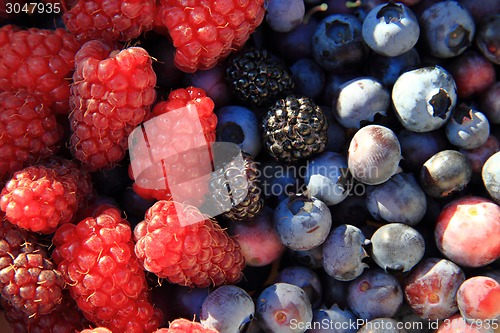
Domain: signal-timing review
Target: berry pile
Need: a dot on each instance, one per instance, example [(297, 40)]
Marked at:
[(259, 166)]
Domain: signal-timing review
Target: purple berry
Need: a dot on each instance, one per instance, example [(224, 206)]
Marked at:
[(375, 294), (344, 252)]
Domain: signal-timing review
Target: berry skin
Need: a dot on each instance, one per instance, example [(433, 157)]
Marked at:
[(110, 20), (194, 251), (205, 32), (182, 325), (97, 259), (43, 196), (40, 62), (110, 96), (284, 15), (30, 131), (96, 330), (189, 120)]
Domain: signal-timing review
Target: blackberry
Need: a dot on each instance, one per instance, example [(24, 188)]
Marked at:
[(258, 78), (243, 193), (295, 128)]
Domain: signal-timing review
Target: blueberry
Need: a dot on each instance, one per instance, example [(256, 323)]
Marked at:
[(304, 278), (302, 223), (296, 44), (382, 325), (309, 77), (423, 98), (239, 125), (491, 176), (375, 294), (283, 308), (360, 100), (336, 133), (284, 15), (488, 38), (333, 320), (327, 178), (419, 147), (444, 173), (337, 43), (312, 258), (134, 204), (212, 81), (343, 253), (467, 128), (111, 181), (352, 210), (490, 103), (278, 181), (447, 28), (400, 199), (387, 69), (398, 247), (227, 309), (374, 154), (391, 29), (334, 291)]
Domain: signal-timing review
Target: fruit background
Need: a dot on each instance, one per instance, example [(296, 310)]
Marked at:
[(366, 197)]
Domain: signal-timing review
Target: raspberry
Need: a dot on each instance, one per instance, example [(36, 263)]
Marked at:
[(111, 94), (204, 31), (30, 131), (40, 62), (41, 197), (97, 259), (110, 20), (65, 318), (182, 325), (186, 147), (28, 278), (197, 254)]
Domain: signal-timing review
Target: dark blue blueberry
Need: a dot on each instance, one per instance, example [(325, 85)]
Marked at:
[(134, 204), (337, 43), (111, 181), (309, 77), (419, 147), (312, 258), (296, 44), (388, 69), (239, 125)]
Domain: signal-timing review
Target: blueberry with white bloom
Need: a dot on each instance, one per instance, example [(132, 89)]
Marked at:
[(467, 128), (391, 29), (423, 98)]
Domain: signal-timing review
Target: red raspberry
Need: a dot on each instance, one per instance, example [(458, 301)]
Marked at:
[(41, 197), (28, 278), (110, 20), (182, 325), (190, 254), (185, 146), (97, 260), (112, 92), (40, 62), (65, 318), (30, 131), (205, 31)]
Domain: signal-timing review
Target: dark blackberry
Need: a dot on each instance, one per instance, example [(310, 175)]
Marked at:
[(258, 78), (294, 128), (242, 193)]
